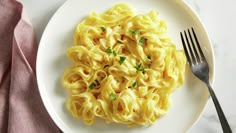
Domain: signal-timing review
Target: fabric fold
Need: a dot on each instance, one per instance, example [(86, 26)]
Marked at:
[(21, 106)]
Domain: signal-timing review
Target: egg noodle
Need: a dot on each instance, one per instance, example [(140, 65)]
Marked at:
[(124, 68)]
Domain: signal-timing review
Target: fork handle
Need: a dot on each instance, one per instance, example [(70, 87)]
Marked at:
[(224, 123)]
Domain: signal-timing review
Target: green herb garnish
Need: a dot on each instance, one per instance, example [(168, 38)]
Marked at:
[(112, 96), (135, 32), (103, 28), (108, 50), (96, 81), (122, 59), (134, 84), (138, 67), (114, 53), (118, 41), (142, 70), (142, 41), (149, 57), (92, 85)]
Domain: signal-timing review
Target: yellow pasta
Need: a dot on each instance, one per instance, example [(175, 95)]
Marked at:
[(124, 68)]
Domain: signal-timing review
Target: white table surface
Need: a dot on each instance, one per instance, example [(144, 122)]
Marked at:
[(219, 19)]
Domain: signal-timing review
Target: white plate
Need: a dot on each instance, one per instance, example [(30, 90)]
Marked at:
[(188, 102)]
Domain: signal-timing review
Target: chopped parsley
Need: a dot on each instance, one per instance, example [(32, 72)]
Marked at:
[(96, 81), (108, 50), (142, 70), (103, 28), (122, 59), (92, 85), (106, 66), (149, 57), (139, 68), (112, 96), (119, 41), (114, 53), (142, 41), (135, 32), (134, 84)]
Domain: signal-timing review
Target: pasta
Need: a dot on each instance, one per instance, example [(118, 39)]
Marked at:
[(124, 68)]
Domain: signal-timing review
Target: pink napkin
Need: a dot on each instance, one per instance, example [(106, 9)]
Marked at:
[(21, 108)]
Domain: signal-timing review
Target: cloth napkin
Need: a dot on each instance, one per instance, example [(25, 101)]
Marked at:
[(21, 108)]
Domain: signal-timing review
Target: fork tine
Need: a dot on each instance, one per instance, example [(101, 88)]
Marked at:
[(199, 48), (185, 49), (194, 47), (190, 49)]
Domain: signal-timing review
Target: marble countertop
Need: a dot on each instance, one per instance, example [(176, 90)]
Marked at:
[(219, 20)]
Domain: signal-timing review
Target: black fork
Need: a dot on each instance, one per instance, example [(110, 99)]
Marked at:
[(200, 69)]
